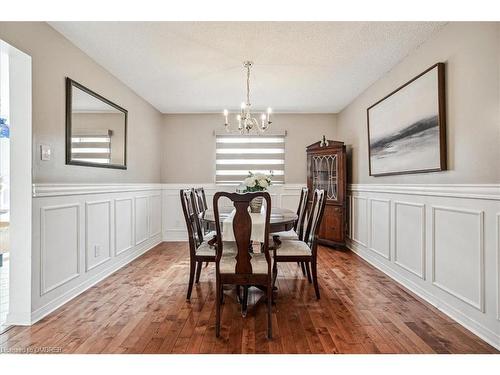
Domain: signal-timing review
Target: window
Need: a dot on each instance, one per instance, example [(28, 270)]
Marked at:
[(91, 146), (236, 155)]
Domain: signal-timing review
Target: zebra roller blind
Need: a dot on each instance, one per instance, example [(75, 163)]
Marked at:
[(91, 146), (236, 155)]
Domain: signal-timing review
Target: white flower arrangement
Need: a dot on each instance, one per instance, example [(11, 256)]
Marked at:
[(257, 181)]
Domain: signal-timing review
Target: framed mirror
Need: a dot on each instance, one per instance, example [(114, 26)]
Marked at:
[(96, 129)]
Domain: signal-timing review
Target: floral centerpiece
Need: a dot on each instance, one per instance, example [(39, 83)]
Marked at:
[(257, 182)]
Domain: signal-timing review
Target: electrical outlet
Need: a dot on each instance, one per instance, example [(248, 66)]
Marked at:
[(97, 251)]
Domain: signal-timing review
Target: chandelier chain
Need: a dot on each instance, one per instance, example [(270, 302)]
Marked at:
[(248, 85)]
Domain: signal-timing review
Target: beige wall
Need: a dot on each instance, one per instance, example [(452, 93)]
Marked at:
[(54, 58), (471, 52), (188, 144)]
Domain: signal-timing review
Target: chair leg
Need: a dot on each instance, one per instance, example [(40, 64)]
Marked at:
[(244, 302), (198, 272), (192, 265), (314, 267), (269, 311), (308, 271), (217, 308), (275, 273), (303, 267)]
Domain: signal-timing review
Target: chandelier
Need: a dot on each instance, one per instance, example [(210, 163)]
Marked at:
[(246, 121)]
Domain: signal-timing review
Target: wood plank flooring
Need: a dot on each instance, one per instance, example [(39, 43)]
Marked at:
[(142, 309)]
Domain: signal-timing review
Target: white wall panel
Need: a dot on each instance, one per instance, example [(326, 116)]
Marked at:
[(497, 237), (97, 233), (359, 220), (141, 210), (70, 221), (155, 215), (124, 225), (457, 253), (60, 246), (380, 227), (450, 233), (409, 240)]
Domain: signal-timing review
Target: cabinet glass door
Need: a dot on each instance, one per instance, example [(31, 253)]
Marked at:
[(324, 174)]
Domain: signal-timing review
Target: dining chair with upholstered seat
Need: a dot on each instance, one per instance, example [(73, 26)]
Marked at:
[(305, 251), (199, 249), (241, 267), (201, 199), (297, 233)]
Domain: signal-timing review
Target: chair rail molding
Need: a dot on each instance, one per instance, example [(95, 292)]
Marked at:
[(447, 236), (471, 191)]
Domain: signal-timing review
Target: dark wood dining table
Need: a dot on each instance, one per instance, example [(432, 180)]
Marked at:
[(282, 219)]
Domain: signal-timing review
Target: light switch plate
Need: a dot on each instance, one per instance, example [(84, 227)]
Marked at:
[(45, 152)]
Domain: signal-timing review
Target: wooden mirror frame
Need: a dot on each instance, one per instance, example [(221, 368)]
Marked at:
[(69, 108)]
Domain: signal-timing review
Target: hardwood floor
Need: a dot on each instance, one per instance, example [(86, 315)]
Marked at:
[(142, 309)]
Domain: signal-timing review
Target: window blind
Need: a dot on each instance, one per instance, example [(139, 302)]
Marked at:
[(236, 155), (91, 146)]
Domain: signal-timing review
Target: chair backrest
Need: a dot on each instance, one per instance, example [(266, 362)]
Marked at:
[(201, 199), (301, 213), (315, 217), (242, 229), (192, 220)]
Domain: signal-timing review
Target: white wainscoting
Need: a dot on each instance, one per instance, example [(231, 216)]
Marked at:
[(174, 227), (83, 233), (440, 241)]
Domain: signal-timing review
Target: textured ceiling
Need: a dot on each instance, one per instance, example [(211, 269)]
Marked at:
[(197, 66)]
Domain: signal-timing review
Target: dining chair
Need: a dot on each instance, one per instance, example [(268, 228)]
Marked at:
[(201, 199), (199, 249), (297, 233), (240, 266), (306, 250)]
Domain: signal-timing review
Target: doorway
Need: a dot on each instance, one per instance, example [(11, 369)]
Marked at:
[(15, 187)]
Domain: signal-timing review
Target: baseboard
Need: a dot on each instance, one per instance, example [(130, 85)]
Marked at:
[(66, 297), (478, 329)]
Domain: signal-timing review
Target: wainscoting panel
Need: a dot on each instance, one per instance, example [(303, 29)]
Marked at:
[(141, 209), (60, 246), (458, 254), (497, 238), (409, 237), (83, 233), (124, 225), (445, 244), (155, 214), (380, 227), (359, 220), (97, 233)]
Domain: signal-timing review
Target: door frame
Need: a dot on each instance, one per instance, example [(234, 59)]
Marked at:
[(20, 228)]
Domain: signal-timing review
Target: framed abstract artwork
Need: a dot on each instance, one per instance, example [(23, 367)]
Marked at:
[(407, 128)]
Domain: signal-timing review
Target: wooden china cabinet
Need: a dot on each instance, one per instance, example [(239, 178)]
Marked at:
[(326, 169)]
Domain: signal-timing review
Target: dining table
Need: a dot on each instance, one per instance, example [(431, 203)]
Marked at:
[(282, 219)]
